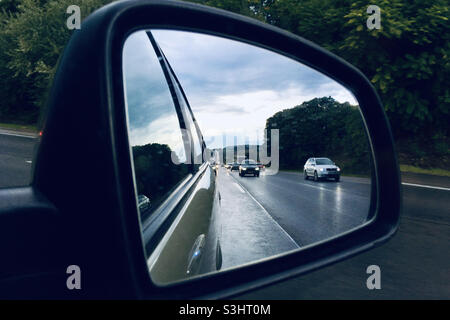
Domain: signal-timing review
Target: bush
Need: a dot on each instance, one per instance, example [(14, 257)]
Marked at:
[(322, 127)]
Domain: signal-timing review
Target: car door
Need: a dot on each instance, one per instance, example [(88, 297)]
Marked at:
[(191, 239), (307, 164), (310, 169)]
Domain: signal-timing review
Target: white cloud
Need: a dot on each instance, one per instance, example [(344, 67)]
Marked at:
[(234, 87), (160, 131)]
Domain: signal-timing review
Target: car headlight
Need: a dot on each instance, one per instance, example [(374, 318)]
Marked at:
[(244, 168), (256, 168), (338, 169), (321, 169)]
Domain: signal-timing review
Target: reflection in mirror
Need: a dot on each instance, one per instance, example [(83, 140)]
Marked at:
[(155, 130), (288, 162)]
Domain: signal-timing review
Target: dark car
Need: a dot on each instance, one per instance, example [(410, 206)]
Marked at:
[(249, 167)]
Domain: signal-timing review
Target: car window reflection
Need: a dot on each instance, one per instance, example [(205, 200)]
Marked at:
[(159, 155)]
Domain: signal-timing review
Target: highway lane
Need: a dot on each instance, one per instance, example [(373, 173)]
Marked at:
[(16, 155), (415, 263), (249, 233), (309, 211)]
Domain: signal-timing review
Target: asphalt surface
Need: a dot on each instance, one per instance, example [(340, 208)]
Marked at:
[(270, 215), (414, 264), (249, 233), (308, 211)]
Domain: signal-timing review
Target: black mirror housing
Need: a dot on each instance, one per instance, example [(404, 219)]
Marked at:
[(89, 134)]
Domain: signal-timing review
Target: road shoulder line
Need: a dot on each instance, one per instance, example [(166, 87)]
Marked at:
[(266, 212), (15, 134), (425, 186)]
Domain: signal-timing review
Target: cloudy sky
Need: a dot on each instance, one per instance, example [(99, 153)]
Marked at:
[(234, 87)]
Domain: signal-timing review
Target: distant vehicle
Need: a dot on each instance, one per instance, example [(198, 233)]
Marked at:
[(321, 168), (234, 166), (143, 203), (249, 167)]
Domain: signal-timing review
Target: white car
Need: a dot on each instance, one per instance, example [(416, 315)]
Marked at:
[(321, 168)]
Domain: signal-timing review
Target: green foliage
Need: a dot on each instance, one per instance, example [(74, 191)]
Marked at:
[(9, 6), (155, 172), (251, 8), (32, 36), (322, 127), (407, 60)]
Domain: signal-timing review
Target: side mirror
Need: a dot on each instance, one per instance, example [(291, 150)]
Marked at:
[(109, 238)]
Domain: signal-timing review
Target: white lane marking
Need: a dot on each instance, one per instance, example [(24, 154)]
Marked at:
[(17, 135), (425, 186), (239, 187), (270, 217), (404, 183)]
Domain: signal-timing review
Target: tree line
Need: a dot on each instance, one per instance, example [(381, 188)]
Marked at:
[(33, 34), (407, 59), (321, 127)]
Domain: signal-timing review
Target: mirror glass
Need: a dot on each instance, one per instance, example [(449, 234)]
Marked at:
[(240, 154)]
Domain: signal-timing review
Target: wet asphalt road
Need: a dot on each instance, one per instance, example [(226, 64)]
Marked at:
[(272, 214), (249, 233), (309, 211), (16, 154), (415, 264)]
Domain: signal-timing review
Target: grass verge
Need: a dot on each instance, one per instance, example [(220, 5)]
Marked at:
[(18, 127), (430, 171)]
